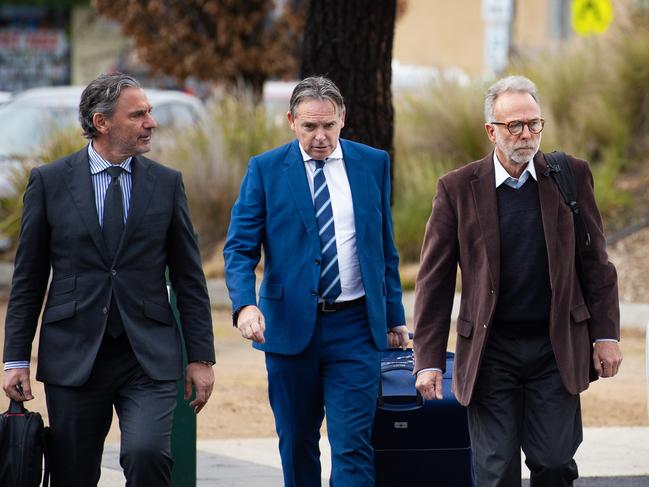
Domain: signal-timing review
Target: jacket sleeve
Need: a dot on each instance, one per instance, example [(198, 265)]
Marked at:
[(435, 287), (242, 250), (394, 304), (31, 273), (599, 274), (188, 281)]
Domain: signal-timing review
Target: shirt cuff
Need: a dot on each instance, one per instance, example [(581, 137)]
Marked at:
[(430, 369), (17, 364), (606, 340)]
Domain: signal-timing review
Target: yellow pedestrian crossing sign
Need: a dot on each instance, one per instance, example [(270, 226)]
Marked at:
[(591, 16)]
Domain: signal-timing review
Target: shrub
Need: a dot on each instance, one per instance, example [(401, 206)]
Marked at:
[(214, 158)]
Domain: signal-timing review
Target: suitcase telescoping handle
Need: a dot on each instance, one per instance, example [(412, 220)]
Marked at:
[(419, 400)]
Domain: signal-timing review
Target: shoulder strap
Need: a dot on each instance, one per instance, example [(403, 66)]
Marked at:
[(561, 172)]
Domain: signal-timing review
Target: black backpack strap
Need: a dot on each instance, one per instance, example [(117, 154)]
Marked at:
[(561, 172), (46, 457)]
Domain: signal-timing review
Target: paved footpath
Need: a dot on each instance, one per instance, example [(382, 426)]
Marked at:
[(608, 457)]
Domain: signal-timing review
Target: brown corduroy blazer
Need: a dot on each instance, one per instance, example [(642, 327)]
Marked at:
[(463, 230)]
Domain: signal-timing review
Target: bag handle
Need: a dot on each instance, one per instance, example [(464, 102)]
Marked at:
[(16, 407)]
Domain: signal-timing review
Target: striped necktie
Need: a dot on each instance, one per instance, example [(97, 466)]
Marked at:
[(329, 288)]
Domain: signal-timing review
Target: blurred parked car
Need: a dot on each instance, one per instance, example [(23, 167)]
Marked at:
[(5, 96), (30, 117)]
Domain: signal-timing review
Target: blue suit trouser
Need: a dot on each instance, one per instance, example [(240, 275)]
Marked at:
[(338, 373)]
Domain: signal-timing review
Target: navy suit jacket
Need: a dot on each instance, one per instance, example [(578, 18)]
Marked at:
[(60, 230), (275, 212)]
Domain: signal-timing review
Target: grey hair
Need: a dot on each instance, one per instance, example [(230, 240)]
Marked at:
[(510, 84), (101, 96), (316, 88)]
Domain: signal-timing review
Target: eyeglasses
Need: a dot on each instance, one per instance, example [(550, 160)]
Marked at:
[(515, 127)]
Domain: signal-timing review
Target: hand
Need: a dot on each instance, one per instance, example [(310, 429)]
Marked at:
[(200, 376), (429, 384), (398, 337), (607, 358), (17, 385), (251, 323)]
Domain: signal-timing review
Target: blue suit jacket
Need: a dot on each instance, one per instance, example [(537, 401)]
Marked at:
[(275, 211)]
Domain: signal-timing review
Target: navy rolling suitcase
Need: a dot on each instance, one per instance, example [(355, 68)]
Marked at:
[(418, 442)]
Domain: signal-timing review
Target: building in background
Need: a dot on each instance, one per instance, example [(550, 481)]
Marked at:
[(48, 46), (34, 47), (478, 37)]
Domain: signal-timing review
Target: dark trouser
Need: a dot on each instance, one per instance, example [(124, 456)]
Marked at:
[(337, 373), (520, 402), (80, 418)]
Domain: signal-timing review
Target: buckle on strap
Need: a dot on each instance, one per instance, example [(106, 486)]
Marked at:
[(327, 307)]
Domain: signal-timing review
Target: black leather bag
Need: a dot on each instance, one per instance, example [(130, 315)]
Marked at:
[(22, 447)]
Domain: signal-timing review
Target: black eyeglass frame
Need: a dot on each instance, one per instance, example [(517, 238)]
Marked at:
[(523, 124)]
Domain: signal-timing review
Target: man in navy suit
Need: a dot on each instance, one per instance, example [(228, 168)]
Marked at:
[(106, 222), (330, 298)]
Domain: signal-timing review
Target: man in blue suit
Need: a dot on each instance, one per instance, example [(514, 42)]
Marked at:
[(330, 298)]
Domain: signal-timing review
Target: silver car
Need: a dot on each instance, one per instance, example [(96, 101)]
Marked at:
[(30, 117)]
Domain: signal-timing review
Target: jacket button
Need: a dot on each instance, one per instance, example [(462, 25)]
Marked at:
[(104, 310), (113, 272), (313, 292), (317, 262), (491, 291), (484, 326)]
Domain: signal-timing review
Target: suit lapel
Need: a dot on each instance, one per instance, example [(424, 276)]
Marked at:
[(141, 192), (357, 178), (483, 186), (296, 174), (549, 199), (79, 184)]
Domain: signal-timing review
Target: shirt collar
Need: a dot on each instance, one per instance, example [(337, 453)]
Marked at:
[(99, 164), (336, 154), (502, 175)]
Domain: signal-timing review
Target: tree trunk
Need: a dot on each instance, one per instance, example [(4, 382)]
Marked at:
[(350, 42)]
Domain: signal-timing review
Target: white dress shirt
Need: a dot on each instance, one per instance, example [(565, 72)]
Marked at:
[(502, 176), (342, 206)]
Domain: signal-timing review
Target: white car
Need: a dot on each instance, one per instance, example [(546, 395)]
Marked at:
[(29, 117)]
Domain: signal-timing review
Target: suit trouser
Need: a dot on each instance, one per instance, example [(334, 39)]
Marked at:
[(337, 373), (519, 401), (80, 418)]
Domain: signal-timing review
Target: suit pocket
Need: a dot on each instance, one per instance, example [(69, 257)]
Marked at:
[(158, 313), (271, 290), (63, 285), (580, 313), (59, 312), (464, 327)]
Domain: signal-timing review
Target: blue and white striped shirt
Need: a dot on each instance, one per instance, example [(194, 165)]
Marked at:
[(100, 181)]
